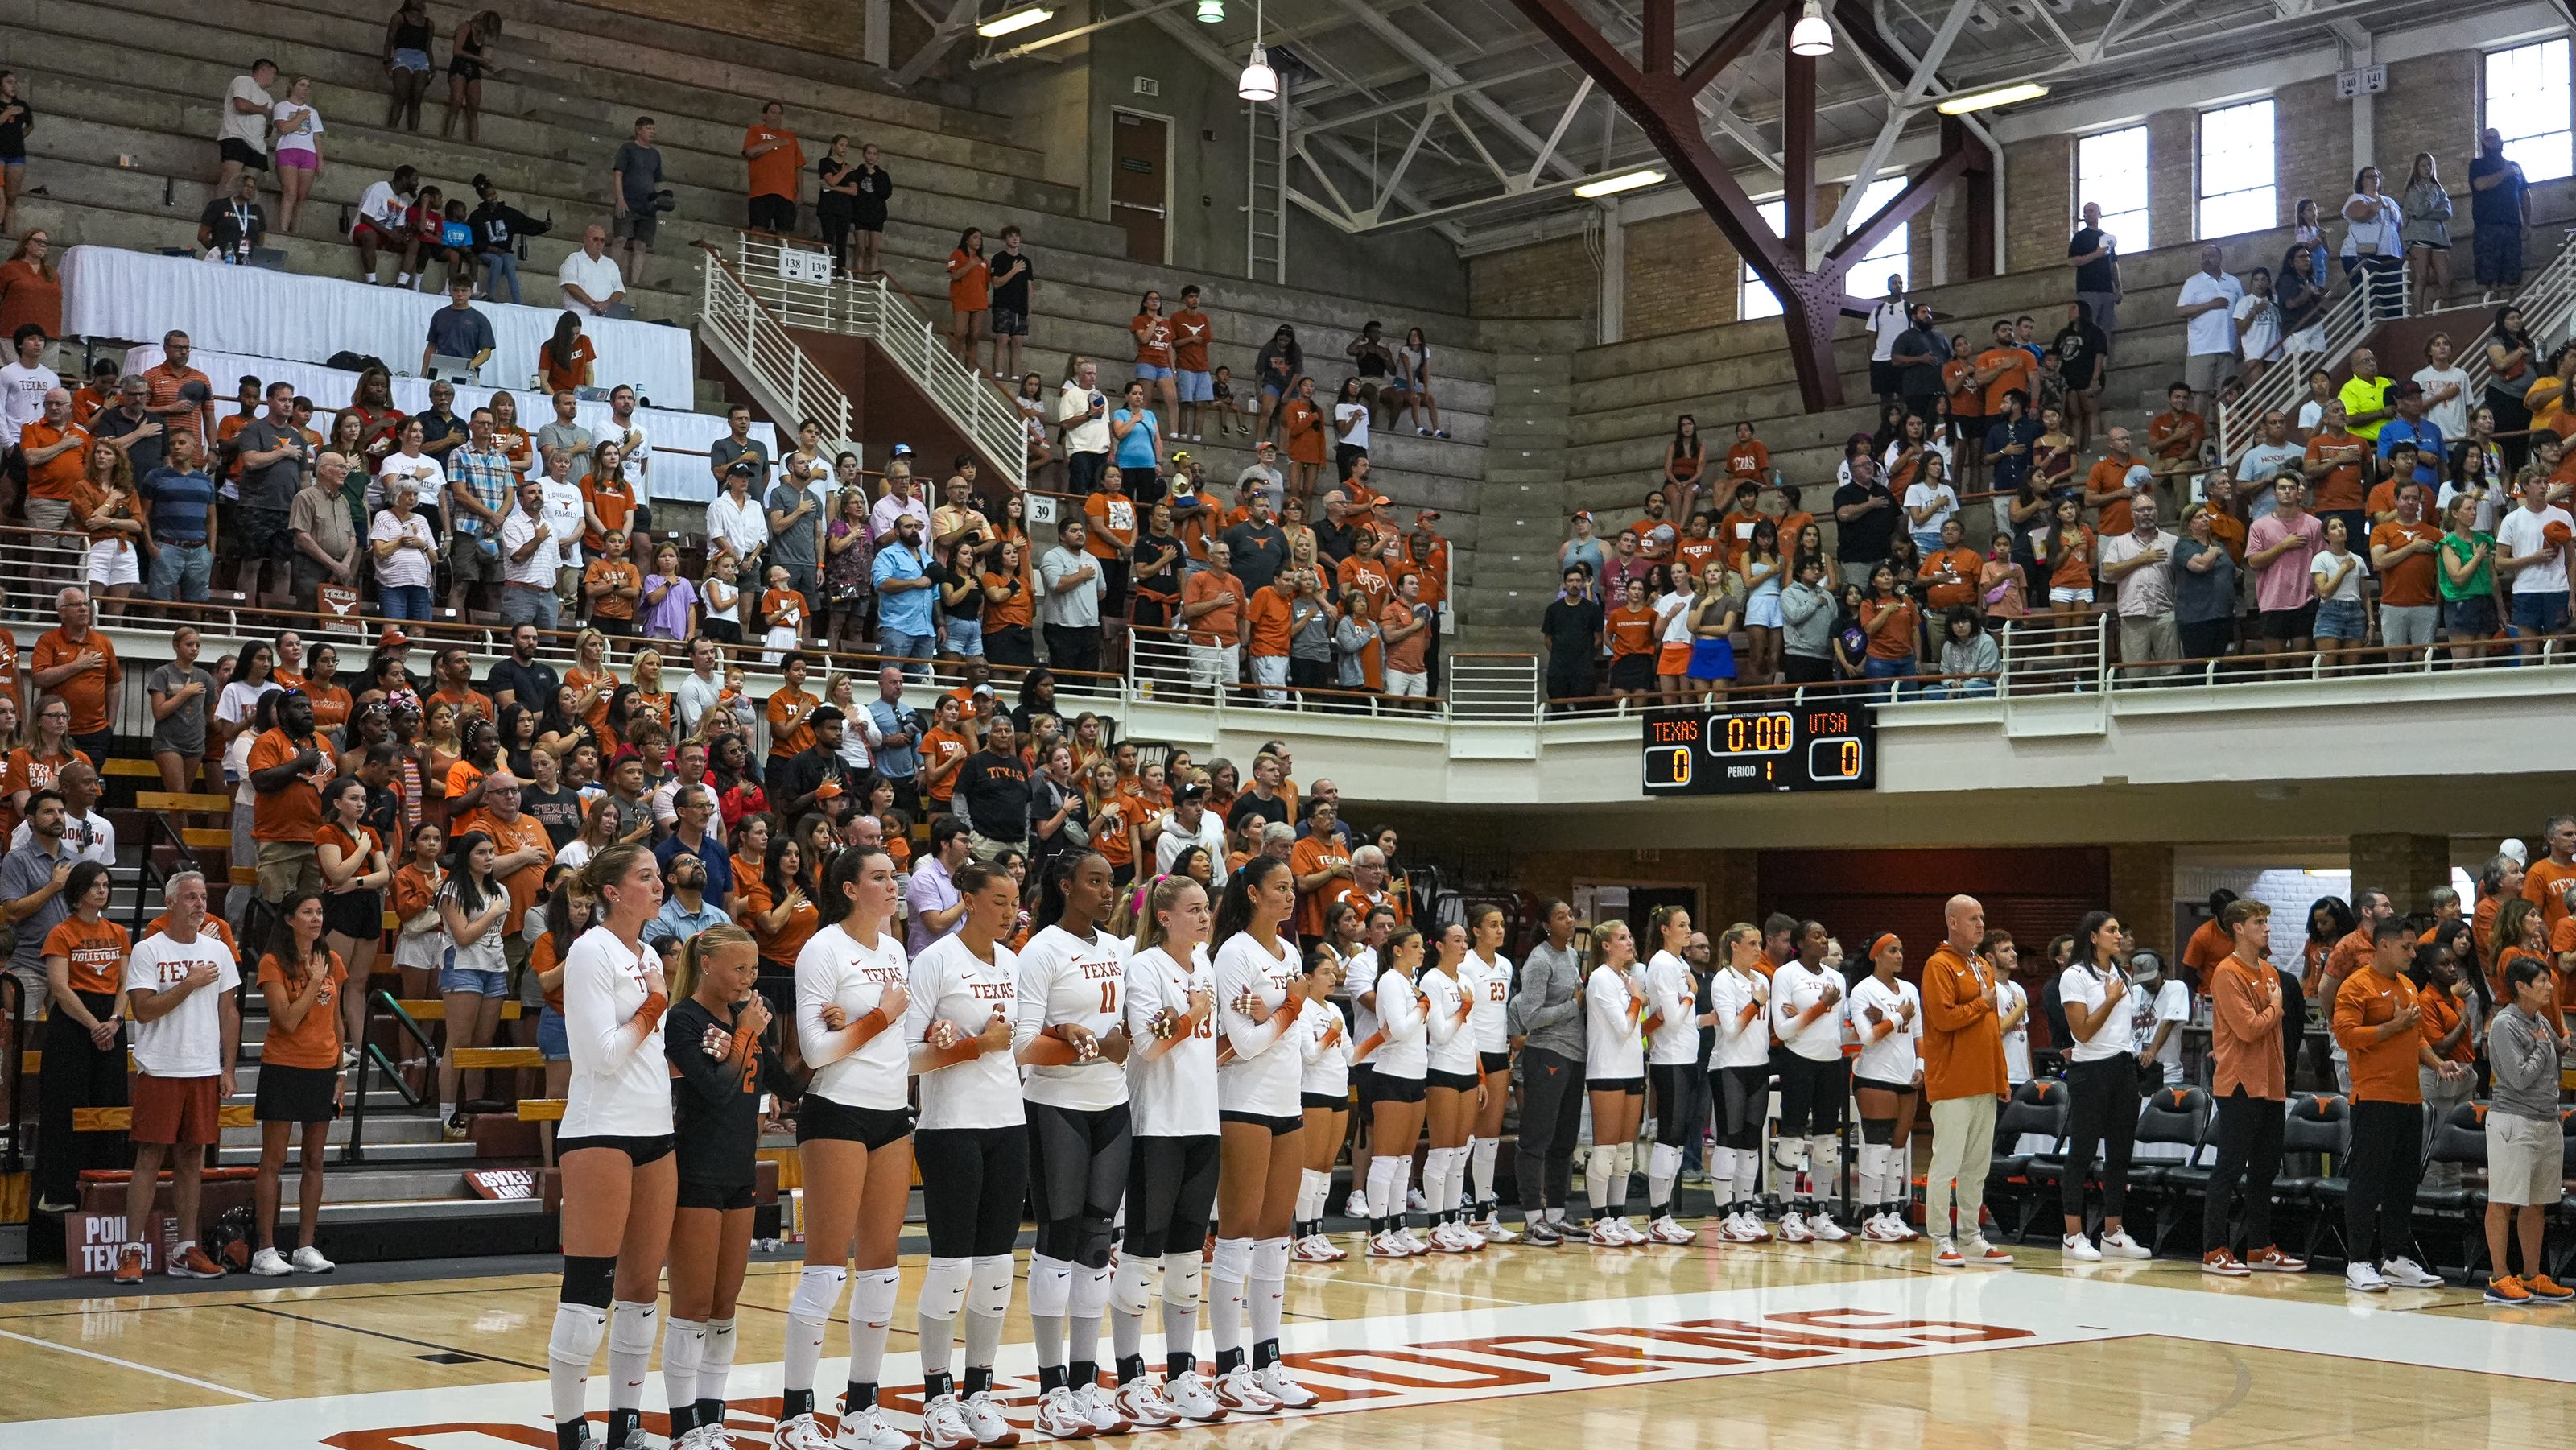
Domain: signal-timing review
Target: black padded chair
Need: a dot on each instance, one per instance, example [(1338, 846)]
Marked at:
[(2319, 1125), (2171, 1115), (2039, 1106), (2460, 1139)]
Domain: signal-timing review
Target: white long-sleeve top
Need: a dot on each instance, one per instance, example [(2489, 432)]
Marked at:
[(950, 985), (1064, 979), (1611, 1047), (1453, 1043), (1260, 1079), (1794, 989), (621, 1083), (1672, 994), (1493, 1016), (1174, 1094), (1891, 1057), (1729, 993), (835, 970), (1325, 1045), (1404, 1050)]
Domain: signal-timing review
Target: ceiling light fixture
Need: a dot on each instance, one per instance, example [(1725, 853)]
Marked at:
[(1811, 36), (1613, 185), (1211, 12), (1988, 100), (1258, 82), (1013, 20)]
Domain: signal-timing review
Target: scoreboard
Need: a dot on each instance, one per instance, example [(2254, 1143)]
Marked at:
[(1749, 750)]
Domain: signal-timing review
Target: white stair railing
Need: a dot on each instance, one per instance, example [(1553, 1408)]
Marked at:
[(745, 333), (2548, 304), (2347, 320)]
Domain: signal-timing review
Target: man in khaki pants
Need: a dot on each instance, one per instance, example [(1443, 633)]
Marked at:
[(1963, 1079)]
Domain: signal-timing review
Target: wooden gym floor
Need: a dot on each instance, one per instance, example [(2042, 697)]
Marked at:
[(1667, 1348)]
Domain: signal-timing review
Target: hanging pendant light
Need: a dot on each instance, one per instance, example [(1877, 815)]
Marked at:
[(1811, 36), (1258, 82), (1211, 12)]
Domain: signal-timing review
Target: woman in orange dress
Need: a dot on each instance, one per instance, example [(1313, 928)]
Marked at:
[(1304, 423), (970, 294)]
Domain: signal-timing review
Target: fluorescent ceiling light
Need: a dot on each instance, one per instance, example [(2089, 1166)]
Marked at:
[(1987, 100), (1020, 19), (1611, 185), (1211, 12), (1811, 36)]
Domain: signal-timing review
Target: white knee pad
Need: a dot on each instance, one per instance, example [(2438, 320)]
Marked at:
[(943, 1287), (1270, 1259), (1133, 1286), (717, 1358), (992, 1286), (1310, 1197), (1181, 1279), (872, 1299), (818, 1288), (1233, 1262), (1050, 1286), (1824, 1158), (575, 1340), (631, 1327), (1090, 1292), (1665, 1162)]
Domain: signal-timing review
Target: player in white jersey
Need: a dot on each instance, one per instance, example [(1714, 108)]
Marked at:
[(1399, 1053), (1258, 972), (1492, 972), (1361, 968), (1324, 1092), (1672, 1024), (973, 1144), (1614, 1068), (1886, 1015), (1739, 1080), (1449, 1109), (620, 1180), (1069, 1030), (854, 1136), (1172, 1171), (1815, 1080)]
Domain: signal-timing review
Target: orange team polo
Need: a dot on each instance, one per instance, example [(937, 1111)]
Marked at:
[(1222, 625), (2383, 1069), (773, 172), (290, 814), (86, 692), (1963, 1042)]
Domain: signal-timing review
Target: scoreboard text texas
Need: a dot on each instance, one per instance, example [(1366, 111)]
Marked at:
[(1723, 752)]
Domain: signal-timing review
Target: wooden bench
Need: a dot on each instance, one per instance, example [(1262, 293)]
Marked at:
[(433, 1009), (541, 1110), (127, 765), (121, 1120), (498, 1058)]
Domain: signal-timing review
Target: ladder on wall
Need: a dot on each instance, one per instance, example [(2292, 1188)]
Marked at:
[(1265, 211)]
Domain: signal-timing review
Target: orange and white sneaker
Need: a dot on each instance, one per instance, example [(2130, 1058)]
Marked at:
[(190, 1262), (1240, 1390), (2224, 1263), (2271, 1259), (129, 1264), (2507, 1290), (2545, 1288)]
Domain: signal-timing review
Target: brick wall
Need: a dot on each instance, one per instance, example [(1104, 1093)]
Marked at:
[(1682, 274), (2039, 185), (2312, 147), (2173, 172), (2430, 105), (834, 27), (1726, 879), (2142, 894), (1552, 279)]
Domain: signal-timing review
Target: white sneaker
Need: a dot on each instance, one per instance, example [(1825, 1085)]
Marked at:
[(2360, 1277), (1741, 1228), (1356, 1206), (861, 1430), (2079, 1248), (1240, 1389), (1494, 1231), (1793, 1228), (1604, 1236), (804, 1432), (1446, 1240), (1413, 1243), (1414, 1202), (1827, 1231), (2118, 1245), (1665, 1231), (1882, 1230), (1145, 1407), (984, 1418), (1285, 1389), (1627, 1231), (944, 1426), (2404, 1273), (1312, 1249), (1757, 1232), (1191, 1399), (269, 1264), (1388, 1246), (1470, 1235), (1101, 1409), (309, 1260), (1333, 1253)]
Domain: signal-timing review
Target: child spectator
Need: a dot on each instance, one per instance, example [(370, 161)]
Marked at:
[(612, 585), (784, 608), (670, 602), (722, 599)]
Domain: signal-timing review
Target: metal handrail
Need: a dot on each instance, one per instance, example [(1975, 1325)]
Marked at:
[(2548, 306), (355, 1151), (733, 316), (2347, 320)]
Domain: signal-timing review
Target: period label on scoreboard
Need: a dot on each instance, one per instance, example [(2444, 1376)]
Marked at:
[(1749, 749)]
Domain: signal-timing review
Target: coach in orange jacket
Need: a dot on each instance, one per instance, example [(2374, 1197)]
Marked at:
[(1963, 1079)]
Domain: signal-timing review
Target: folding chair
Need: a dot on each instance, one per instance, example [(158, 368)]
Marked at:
[(2038, 1106), (2172, 1115), (2320, 1124)]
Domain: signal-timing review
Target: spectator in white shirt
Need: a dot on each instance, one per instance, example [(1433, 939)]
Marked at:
[(530, 556), (2531, 549), (24, 383), (565, 516), (591, 283), (1887, 320), (736, 517), (2208, 302)]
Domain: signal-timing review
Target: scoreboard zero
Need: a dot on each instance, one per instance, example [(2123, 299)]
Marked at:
[(1750, 750)]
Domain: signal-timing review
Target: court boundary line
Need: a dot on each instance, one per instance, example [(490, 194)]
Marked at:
[(139, 1368), (396, 1338)]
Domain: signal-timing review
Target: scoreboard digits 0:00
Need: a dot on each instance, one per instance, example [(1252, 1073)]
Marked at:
[(1753, 749)]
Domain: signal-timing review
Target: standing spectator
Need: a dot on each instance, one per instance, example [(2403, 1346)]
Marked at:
[(2247, 1003), (406, 56), (565, 433), (2402, 554), (901, 577), (1887, 321), (794, 518), (634, 184), (970, 295), (836, 184), (2377, 1022), (2204, 571), (170, 395), (872, 186), (2279, 548), (469, 61), (2531, 550), (2373, 251), (2208, 304), (2139, 563), (178, 985), (2526, 1148), (1570, 633), (17, 118), (480, 486), (1012, 274), (1865, 515), (2426, 230), (777, 165), (2083, 360), (298, 128), (589, 278), (736, 522), (458, 330), (530, 555), (1070, 593), (1406, 623), (738, 445), (1139, 446), (52, 450), (31, 289), (2095, 255), (405, 551), (1963, 1079), (2499, 212), (25, 383), (1921, 352), (182, 523), (1212, 613), (241, 136), (2337, 457), (274, 459), (1192, 331), (1082, 413)]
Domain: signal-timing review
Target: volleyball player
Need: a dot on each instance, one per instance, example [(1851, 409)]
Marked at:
[(1324, 1091), (1260, 1155), (1672, 1028), (712, 1038), (299, 1072), (1399, 1049), (1739, 1080), (1449, 1109), (974, 1150), (1887, 1016), (1491, 972), (1815, 1080), (1172, 1167), (1361, 969), (1069, 1035), (1614, 1064), (854, 1135), (2101, 1086), (620, 1181)]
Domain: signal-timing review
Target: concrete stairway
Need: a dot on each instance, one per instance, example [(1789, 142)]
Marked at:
[(1524, 507)]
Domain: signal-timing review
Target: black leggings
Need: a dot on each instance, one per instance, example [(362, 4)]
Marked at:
[(1674, 1101), (1551, 1087), (1077, 1171), (1171, 1194), (2380, 1179), (2105, 1111), (974, 1182), (1743, 1099), (77, 1073), (1812, 1094), (2249, 1146)]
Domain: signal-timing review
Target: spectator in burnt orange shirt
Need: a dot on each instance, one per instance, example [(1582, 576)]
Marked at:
[(2379, 1023)]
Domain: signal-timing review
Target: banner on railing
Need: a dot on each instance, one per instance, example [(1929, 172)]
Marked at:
[(341, 603)]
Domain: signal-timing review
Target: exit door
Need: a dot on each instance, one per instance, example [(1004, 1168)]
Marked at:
[(1140, 189)]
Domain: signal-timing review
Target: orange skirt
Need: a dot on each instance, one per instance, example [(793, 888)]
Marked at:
[(1674, 659)]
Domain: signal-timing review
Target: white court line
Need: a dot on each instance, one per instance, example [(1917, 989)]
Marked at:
[(1403, 1288), (129, 1364)]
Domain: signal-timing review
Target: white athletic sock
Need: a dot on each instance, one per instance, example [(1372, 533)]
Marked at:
[(1663, 1166), (1226, 1292), (1868, 1176), (1050, 1290), (1269, 1289), (1721, 1176), (986, 1303), (871, 1320), (1824, 1167), (1435, 1182), (684, 1343), (1129, 1292), (715, 1365), (1748, 1176), (1597, 1171), (1385, 1197), (1621, 1168), (1182, 1276), (1482, 1165), (943, 1297), (569, 1349), (1082, 1324), (631, 1331), (809, 1308), (1556, 1214)]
